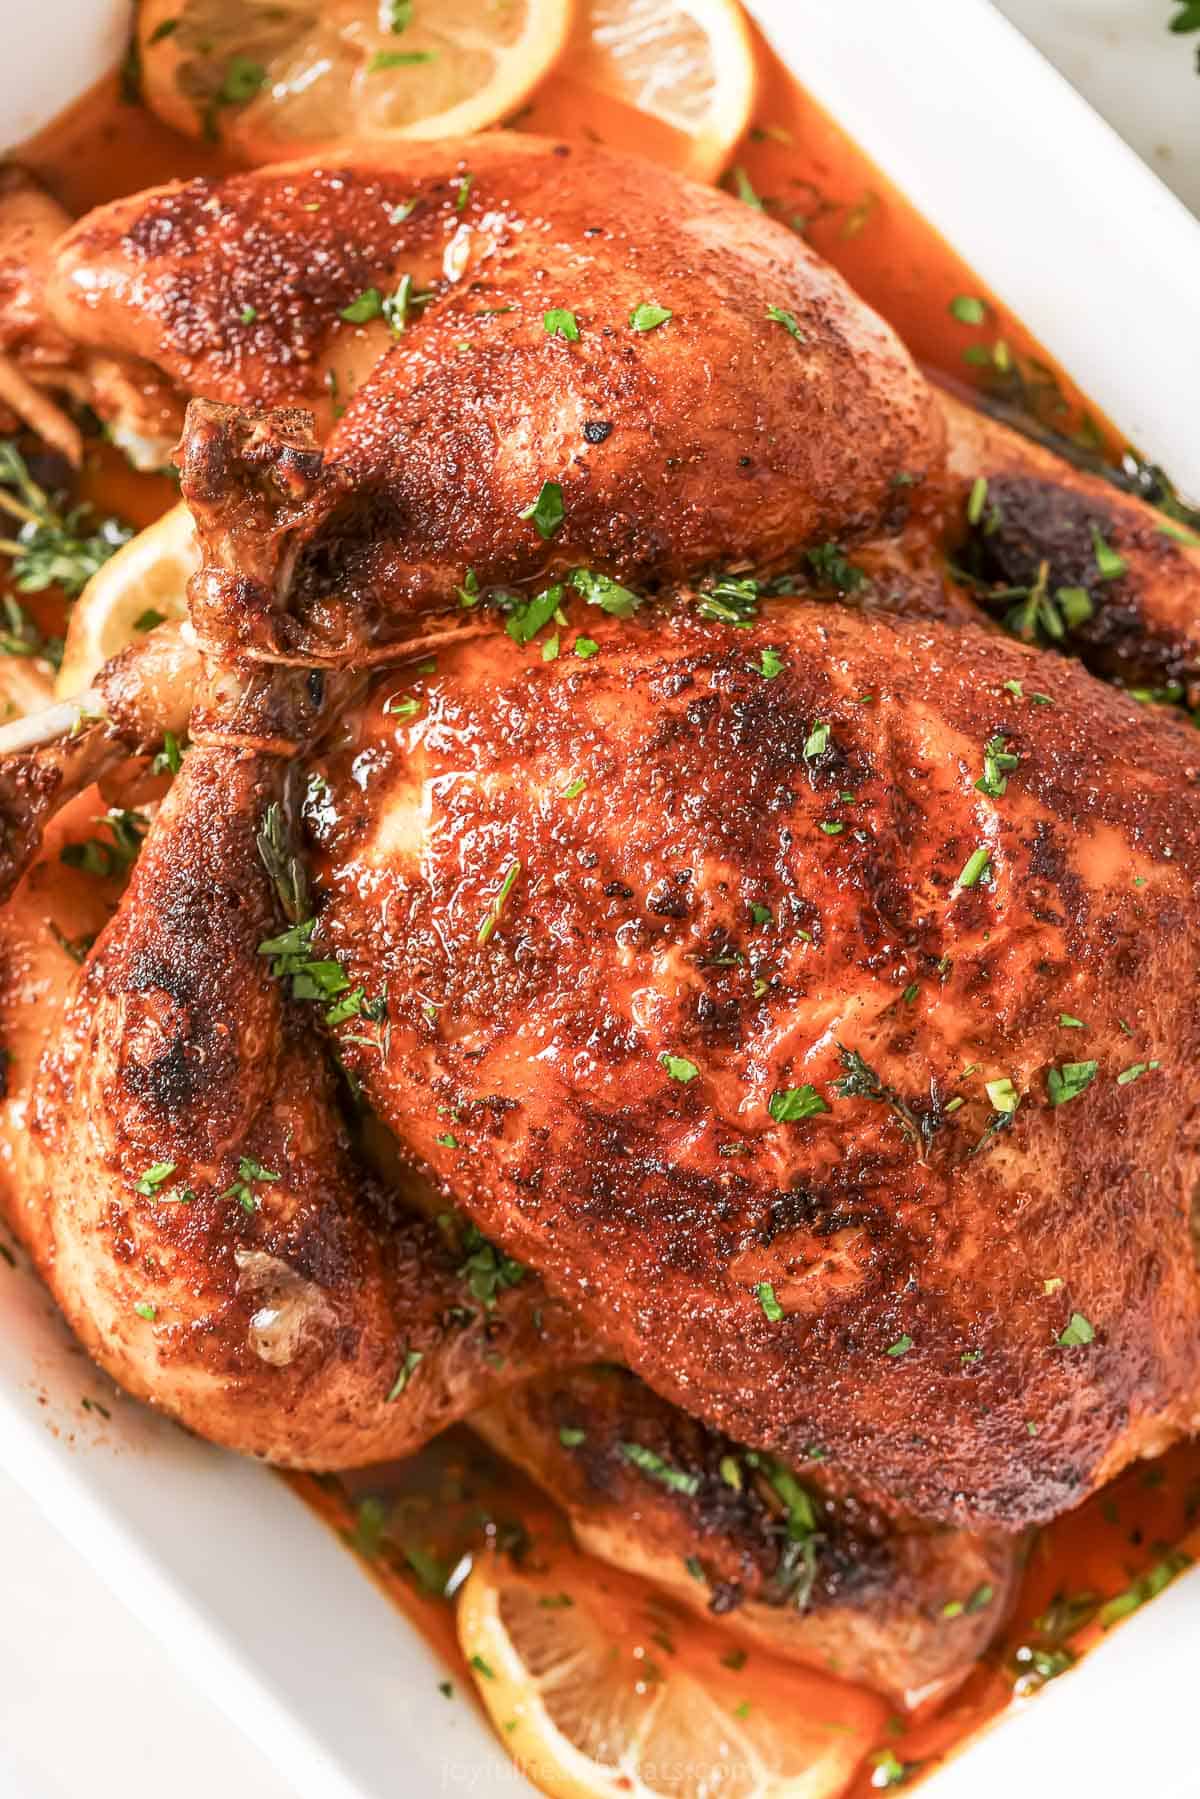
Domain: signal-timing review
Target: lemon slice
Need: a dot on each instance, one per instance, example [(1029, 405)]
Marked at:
[(600, 1688), (143, 585), (674, 80), (275, 78)]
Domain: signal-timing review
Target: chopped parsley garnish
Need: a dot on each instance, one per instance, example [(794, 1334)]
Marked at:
[(483, 1667), (493, 918), (585, 647), (998, 763), (770, 665), (678, 1067), (901, 1346), (1147, 1586), (248, 314), (1069, 1081), (975, 867), (369, 305), (528, 617), (831, 569), (648, 317), (145, 1310), (576, 787), (647, 1462), (570, 1436), (402, 706), (730, 599), (487, 1271), (560, 321), (52, 547), (170, 758), (312, 977), (412, 1360), (547, 511), (817, 742), (1003, 1095), (396, 307), (1069, 1022), (788, 1104), (249, 1174), (464, 193), (779, 316), (767, 1300), (1078, 1332), (1136, 1072), (977, 499), (104, 860), (1110, 566), (603, 591), (395, 15), (152, 1180), (968, 310)]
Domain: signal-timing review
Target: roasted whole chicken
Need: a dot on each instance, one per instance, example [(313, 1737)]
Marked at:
[(632, 936)]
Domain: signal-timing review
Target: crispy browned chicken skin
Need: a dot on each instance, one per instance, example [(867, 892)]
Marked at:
[(705, 939)]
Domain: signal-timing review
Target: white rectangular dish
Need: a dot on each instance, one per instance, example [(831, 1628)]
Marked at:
[(251, 1594)]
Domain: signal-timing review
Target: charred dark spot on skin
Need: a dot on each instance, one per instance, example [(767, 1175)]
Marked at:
[(1031, 523)]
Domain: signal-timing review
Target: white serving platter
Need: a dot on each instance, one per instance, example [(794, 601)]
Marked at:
[(256, 1601)]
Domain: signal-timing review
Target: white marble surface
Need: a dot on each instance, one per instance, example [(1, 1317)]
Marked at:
[(89, 1702)]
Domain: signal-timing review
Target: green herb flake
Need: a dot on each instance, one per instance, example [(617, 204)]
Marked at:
[(529, 617), (789, 1104), (647, 1462), (977, 499), (483, 1667), (560, 321), (817, 742), (998, 763), (585, 647), (968, 310), (779, 316), (976, 866), (369, 305), (1069, 1022), (1147, 1586), (678, 1067), (570, 1436), (603, 591), (901, 1346), (832, 569), (145, 1310), (547, 511), (1135, 1072), (412, 1360), (1109, 564), (1078, 1333), (648, 317), (1002, 1095), (154, 1177), (770, 665), (493, 918), (1069, 1081), (766, 1298)]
